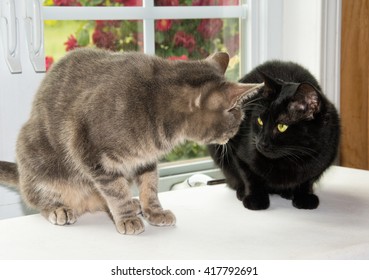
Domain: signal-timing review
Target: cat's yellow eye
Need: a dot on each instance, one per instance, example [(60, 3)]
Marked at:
[(282, 127), (260, 122)]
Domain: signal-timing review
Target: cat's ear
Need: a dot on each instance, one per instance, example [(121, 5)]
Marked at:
[(272, 86), (220, 60), (305, 102), (239, 91)]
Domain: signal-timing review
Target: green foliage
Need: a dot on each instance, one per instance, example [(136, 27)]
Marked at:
[(188, 150)]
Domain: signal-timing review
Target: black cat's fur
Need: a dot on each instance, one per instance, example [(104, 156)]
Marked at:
[(261, 160)]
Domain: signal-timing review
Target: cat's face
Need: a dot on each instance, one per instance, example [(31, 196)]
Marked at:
[(217, 112), (284, 125)]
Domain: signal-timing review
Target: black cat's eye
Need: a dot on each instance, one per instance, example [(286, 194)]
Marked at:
[(260, 122), (282, 127)]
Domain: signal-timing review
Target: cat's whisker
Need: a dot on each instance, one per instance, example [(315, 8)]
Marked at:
[(220, 151), (253, 103), (303, 151), (298, 154)]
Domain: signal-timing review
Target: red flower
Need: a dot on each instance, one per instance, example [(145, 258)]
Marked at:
[(100, 24), (130, 3), (49, 60), (182, 57), (65, 2), (166, 2), (185, 40), (104, 40), (209, 28), (71, 44), (163, 24)]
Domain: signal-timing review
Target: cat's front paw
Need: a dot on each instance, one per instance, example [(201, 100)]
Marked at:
[(308, 201), (240, 192), (60, 216), (256, 202), (159, 217), (132, 225)]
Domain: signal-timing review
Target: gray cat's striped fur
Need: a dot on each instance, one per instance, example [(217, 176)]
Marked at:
[(101, 120)]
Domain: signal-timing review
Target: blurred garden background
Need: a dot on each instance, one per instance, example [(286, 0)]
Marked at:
[(174, 39)]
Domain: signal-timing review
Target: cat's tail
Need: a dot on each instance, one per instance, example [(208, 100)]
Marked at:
[(9, 174)]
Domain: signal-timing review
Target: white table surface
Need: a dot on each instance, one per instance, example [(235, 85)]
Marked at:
[(212, 224)]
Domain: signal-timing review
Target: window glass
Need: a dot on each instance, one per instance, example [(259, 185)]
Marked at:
[(115, 35), (198, 38)]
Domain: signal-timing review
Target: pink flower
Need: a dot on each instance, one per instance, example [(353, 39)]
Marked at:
[(71, 43), (185, 40), (209, 28), (103, 39), (163, 24), (49, 60), (182, 57)]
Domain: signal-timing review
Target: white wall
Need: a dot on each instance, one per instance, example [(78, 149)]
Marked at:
[(302, 27), (286, 30)]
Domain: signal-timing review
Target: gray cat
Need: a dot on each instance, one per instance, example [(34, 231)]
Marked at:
[(101, 120)]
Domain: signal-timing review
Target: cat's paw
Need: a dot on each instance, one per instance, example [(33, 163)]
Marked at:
[(60, 216), (308, 201), (256, 202), (240, 192), (132, 225), (159, 217)]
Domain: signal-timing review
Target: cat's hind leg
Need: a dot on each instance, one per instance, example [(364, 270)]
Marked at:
[(152, 210), (55, 201)]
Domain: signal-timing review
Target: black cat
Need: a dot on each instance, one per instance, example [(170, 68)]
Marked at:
[(288, 138)]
